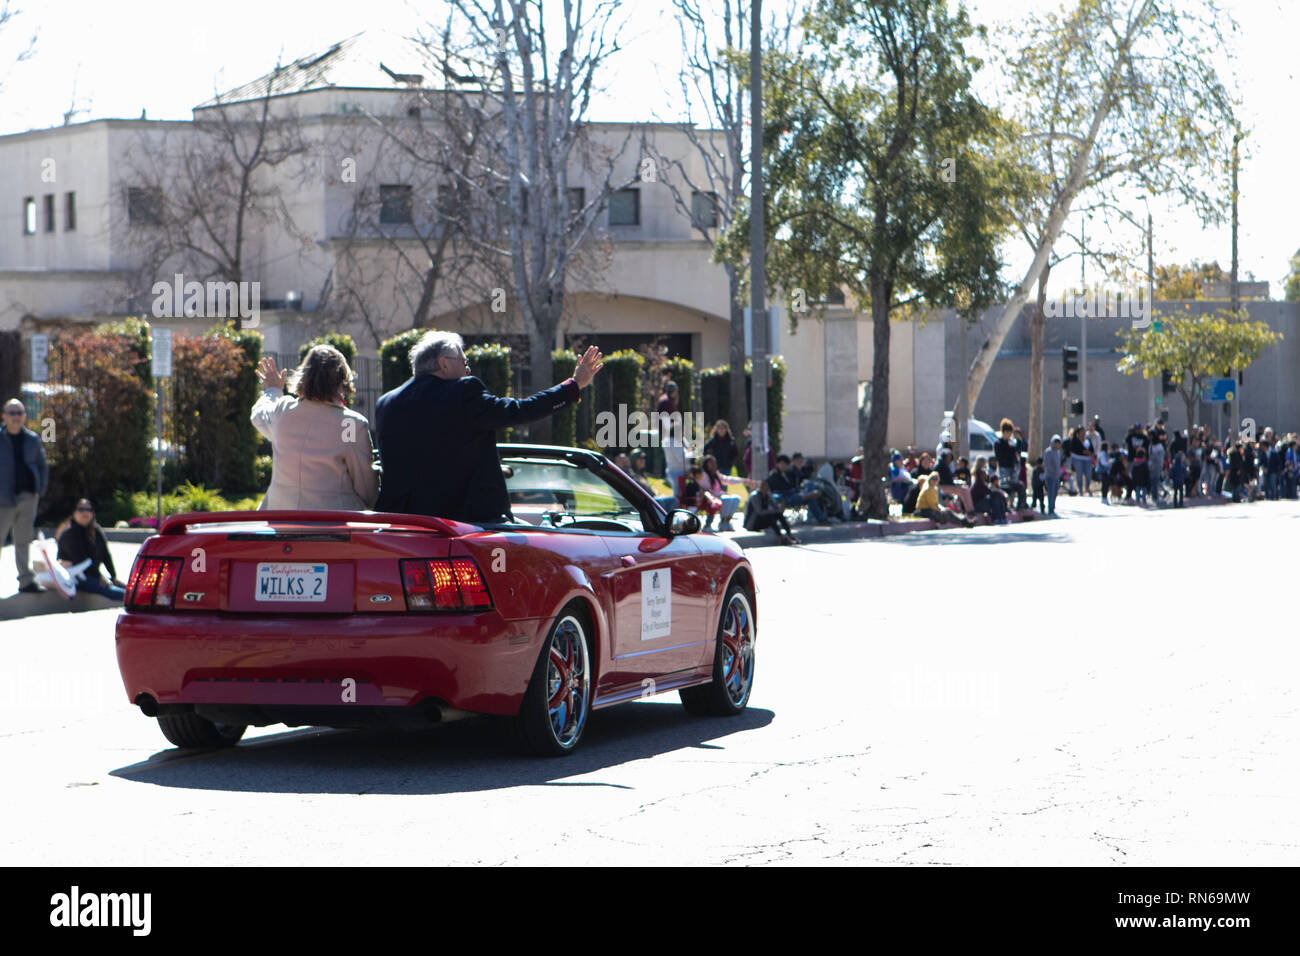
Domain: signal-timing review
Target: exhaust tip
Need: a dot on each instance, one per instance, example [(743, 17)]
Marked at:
[(148, 706)]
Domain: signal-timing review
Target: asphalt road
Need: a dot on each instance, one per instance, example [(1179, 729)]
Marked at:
[(1083, 691)]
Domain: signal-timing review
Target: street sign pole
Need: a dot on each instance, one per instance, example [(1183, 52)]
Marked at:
[(162, 369)]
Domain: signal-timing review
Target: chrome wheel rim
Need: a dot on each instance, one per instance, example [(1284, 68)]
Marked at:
[(568, 681), (737, 648)]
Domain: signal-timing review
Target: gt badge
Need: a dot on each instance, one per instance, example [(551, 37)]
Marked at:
[(193, 596)]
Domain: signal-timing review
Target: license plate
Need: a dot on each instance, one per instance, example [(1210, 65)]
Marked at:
[(291, 582)]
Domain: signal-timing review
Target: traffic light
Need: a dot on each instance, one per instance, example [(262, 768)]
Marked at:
[(1076, 406), (1167, 383), (1069, 364)]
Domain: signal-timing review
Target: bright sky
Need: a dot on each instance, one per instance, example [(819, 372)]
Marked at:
[(116, 59)]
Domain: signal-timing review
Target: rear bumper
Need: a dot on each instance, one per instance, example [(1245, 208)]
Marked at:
[(472, 662)]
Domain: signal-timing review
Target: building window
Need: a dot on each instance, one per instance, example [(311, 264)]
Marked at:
[(577, 199), (69, 212), (625, 207), (394, 204), (49, 212), (29, 216), (704, 210), (144, 205)]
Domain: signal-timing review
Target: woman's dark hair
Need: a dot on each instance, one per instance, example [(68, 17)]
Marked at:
[(323, 376), (723, 423), (705, 464), (91, 530)]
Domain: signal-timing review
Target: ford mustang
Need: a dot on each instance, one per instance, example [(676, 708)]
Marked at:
[(590, 595)]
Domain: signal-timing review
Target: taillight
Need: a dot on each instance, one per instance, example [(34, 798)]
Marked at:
[(153, 582), (444, 585)]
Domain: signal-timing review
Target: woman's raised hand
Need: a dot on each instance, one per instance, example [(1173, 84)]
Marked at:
[(268, 374)]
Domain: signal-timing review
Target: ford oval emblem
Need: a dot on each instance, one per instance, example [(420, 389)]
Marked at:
[(379, 599)]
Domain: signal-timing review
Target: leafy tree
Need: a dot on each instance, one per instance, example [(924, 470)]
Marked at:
[(886, 174), (1184, 282), (1293, 279), (1195, 349), (1127, 95)]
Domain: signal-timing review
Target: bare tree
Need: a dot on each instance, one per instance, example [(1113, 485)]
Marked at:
[(7, 15), (541, 91), (712, 198), (204, 197), (406, 242)]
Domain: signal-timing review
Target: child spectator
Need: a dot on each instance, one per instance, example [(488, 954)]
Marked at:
[(1040, 487)]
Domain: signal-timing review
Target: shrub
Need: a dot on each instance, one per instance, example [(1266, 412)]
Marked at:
[(715, 398), (101, 420), (239, 472), (395, 358), (340, 340), (491, 363), (206, 408), (564, 424)]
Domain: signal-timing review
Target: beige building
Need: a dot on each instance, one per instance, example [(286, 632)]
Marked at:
[(76, 228)]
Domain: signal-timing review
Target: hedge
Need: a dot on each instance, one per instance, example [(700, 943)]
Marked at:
[(395, 358), (564, 424), (715, 398), (340, 340), (241, 471), (491, 363), (207, 411)]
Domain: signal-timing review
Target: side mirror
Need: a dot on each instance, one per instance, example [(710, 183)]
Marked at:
[(681, 521)]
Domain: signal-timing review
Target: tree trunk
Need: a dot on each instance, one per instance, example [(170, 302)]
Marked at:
[(1038, 338), (739, 399), (875, 452), (541, 342)]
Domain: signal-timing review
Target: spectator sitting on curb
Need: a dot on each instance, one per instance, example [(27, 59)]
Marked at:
[(928, 505), (81, 538), (764, 512), (900, 481), (962, 472), (988, 499), (704, 502), (949, 485)]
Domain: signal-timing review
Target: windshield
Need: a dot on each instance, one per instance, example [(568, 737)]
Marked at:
[(538, 487)]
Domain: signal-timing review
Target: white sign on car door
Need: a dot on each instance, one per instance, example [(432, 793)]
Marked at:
[(656, 603)]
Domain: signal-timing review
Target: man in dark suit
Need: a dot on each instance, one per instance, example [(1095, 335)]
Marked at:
[(437, 433)]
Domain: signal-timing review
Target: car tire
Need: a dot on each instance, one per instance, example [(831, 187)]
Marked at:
[(557, 704), (199, 733), (733, 661)]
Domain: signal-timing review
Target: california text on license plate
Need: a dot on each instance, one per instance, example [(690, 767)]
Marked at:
[(291, 582)]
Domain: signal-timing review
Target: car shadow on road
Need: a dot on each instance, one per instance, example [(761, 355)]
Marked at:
[(461, 757)]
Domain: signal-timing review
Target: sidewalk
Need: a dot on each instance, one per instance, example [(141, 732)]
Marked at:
[(1066, 508)]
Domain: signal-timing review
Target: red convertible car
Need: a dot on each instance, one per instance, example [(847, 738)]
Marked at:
[(593, 595)]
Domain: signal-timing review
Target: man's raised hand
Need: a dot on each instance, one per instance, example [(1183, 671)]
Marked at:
[(590, 363)]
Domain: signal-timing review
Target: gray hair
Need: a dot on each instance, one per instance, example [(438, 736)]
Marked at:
[(432, 345)]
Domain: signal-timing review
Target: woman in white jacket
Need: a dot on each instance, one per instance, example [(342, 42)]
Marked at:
[(321, 450)]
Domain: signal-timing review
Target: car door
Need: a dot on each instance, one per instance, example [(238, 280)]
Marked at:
[(662, 604)]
